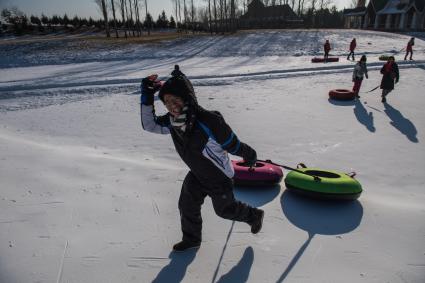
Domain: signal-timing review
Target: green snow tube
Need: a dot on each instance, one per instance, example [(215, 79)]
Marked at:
[(323, 184), (384, 57)]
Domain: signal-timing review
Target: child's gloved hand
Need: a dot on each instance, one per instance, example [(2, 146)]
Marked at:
[(149, 86), (251, 160)]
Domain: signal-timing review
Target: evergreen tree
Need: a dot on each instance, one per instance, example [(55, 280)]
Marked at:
[(35, 20), (148, 21), (172, 23), (45, 20), (65, 20)]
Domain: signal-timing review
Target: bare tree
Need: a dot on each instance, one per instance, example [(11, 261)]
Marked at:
[(192, 14), (180, 14), (146, 10), (115, 20), (215, 16), (128, 19), (232, 16), (102, 5), (302, 7), (209, 15), (131, 17), (176, 9), (313, 11), (123, 17), (222, 16), (226, 14), (137, 16)]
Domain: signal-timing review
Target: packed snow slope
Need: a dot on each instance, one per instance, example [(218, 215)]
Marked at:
[(87, 196)]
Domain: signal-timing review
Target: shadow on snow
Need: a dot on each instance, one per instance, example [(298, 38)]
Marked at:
[(401, 123), (363, 116), (318, 217), (256, 196), (176, 269)]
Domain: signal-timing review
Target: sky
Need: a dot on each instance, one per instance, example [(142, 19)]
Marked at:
[(88, 8)]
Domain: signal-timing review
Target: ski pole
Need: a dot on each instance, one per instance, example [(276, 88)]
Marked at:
[(316, 178), (401, 49), (373, 89)]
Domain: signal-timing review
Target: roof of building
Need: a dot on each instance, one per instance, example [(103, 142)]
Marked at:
[(378, 4), (256, 9), (393, 7), (420, 4), (355, 11)]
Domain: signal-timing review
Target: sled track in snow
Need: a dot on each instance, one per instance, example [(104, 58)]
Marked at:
[(209, 80), (30, 96)]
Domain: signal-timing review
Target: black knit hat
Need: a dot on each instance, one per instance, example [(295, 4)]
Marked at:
[(178, 85)]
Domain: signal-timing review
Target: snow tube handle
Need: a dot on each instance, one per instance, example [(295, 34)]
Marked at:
[(352, 174), (301, 165), (316, 178)]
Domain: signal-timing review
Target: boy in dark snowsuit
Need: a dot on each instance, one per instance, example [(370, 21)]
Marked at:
[(389, 74), (203, 139), (409, 48), (327, 48), (353, 45), (360, 70)]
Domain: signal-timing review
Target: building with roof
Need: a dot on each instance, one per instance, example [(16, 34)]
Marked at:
[(277, 16), (403, 15)]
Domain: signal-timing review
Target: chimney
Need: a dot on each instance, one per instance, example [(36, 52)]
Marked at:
[(361, 3)]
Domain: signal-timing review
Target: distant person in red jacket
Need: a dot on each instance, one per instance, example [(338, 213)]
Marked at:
[(353, 45), (327, 48), (409, 48)]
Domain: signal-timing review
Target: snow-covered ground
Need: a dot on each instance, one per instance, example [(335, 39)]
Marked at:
[(87, 196)]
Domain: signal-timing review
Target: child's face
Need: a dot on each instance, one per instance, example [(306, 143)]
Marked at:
[(174, 104)]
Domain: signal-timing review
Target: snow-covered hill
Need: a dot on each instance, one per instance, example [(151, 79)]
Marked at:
[(87, 196)]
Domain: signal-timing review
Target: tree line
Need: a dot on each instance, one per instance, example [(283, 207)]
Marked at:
[(130, 18), (21, 23)]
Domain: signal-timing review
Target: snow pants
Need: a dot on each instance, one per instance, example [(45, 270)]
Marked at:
[(351, 54), (225, 205), (326, 55), (408, 51), (357, 85), (385, 92)]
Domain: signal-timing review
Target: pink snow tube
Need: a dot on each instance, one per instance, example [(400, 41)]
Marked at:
[(263, 174)]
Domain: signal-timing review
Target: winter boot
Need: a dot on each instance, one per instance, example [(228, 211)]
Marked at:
[(383, 99), (185, 245), (257, 223)]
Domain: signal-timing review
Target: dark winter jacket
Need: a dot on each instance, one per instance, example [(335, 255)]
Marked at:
[(205, 144), (410, 44), (389, 73), (327, 47), (353, 45)]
